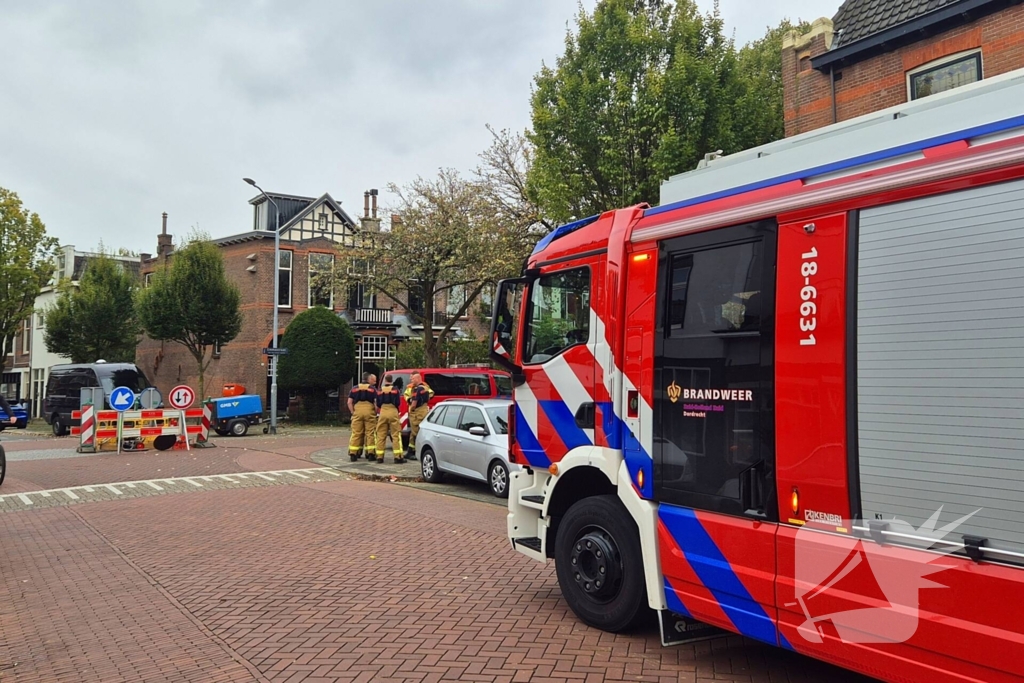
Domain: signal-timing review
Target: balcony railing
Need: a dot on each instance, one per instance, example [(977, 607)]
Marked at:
[(375, 315)]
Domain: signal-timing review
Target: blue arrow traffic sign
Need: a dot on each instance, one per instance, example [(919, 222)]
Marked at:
[(122, 398)]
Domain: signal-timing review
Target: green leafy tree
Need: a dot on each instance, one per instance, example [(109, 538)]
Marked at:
[(448, 239), (321, 357), (192, 303), (410, 354), (95, 318), (759, 111), (644, 90), (26, 265)]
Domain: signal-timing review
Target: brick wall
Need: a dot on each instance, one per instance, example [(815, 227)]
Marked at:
[(241, 361), (881, 81)]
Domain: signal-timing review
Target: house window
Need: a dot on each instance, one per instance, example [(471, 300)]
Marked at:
[(217, 346), (323, 222), (359, 266), (945, 74), (147, 279), (321, 289), (374, 347), (26, 338), (40, 320), (456, 298), (284, 278)]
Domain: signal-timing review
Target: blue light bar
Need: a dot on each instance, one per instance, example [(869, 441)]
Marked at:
[(563, 230)]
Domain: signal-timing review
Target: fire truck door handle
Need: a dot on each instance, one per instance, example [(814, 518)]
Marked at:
[(585, 415), (752, 492)]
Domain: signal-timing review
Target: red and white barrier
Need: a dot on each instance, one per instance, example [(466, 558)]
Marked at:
[(104, 425), (203, 439), (88, 429)]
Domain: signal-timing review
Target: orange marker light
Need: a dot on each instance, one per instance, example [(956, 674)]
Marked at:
[(641, 257), (640, 478), (553, 469), (795, 500)]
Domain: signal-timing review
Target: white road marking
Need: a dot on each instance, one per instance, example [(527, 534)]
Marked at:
[(242, 478)]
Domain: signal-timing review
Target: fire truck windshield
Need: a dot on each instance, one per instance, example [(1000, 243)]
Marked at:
[(559, 314)]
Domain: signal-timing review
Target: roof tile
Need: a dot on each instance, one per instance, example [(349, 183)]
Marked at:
[(861, 18)]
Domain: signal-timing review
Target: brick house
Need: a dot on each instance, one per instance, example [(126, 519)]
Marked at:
[(875, 54), (312, 229)]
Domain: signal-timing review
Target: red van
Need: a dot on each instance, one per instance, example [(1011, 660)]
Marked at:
[(466, 382), (473, 382)]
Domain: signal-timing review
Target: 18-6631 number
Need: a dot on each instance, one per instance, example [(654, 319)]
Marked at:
[(809, 308)]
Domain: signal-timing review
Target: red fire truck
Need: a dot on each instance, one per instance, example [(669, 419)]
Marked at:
[(789, 402)]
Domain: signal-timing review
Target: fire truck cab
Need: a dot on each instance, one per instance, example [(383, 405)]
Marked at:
[(789, 402)]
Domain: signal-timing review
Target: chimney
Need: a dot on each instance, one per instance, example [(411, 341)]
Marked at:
[(366, 205), (164, 242), (373, 197)]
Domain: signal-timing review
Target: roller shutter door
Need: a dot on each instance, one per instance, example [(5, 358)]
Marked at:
[(940, 361)]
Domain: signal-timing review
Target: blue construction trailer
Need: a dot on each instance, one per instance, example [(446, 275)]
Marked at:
[(235, 414)]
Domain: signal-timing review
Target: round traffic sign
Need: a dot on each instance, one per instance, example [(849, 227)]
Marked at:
[(182, 396), (149, 398), (122, 398)]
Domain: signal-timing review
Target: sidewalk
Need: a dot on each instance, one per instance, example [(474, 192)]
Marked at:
[(387, 471)]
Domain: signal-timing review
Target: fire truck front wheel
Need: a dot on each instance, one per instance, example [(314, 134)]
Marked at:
[(599, 564)]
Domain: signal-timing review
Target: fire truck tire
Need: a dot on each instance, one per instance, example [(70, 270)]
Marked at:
[(599, 564)]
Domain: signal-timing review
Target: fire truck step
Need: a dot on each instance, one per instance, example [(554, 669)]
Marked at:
[(531, 543), (534, 499)]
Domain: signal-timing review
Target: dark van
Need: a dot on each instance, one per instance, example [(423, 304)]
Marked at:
[(65, 384)]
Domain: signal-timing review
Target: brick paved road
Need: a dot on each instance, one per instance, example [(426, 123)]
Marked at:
[(341, 580)]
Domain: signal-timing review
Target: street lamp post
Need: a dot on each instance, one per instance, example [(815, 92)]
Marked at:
[(277, 299)]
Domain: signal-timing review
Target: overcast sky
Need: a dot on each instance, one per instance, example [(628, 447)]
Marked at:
[(112, 112)]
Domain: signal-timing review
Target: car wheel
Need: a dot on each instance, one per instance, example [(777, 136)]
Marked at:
[(3, 464), (599, 565), (428, 466), (239, 428), (497, 478), (58, 426)]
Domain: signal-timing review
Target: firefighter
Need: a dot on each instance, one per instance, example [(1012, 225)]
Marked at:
[(418, 395), (362, 404), (388, 401)]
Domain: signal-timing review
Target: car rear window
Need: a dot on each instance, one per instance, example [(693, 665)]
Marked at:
[(452, 417), (455, 384)]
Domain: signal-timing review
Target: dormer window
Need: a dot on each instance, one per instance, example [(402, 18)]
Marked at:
[(260, 216)]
